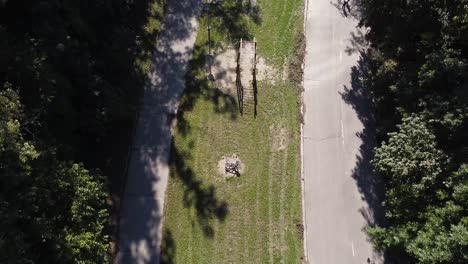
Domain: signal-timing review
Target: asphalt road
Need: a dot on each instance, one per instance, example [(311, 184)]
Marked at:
[(148, 171), (335, 201)]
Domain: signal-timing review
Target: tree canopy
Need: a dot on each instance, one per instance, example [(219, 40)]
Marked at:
[(415, 73), (71, 73)]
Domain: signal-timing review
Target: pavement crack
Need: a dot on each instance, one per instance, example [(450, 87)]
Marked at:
[(321, 139)]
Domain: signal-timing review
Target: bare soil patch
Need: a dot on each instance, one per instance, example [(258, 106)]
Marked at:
[(232, 160), (223, 69), (223, 66), (280, 137), (265, 71)]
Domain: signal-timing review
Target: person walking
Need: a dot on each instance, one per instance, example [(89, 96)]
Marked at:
[(346, 8)]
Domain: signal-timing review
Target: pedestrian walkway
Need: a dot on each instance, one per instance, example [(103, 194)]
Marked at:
[(148, 171), (246, 75)]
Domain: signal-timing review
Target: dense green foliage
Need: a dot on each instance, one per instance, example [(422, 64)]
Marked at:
[(416, 74), (426, 206), (71, 73), (50, 209)]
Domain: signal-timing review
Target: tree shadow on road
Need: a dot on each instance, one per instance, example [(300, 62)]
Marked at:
[(375, 128), (368, 183), (152, 143), (359, 97)]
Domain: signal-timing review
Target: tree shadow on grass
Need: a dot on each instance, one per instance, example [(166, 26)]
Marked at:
[(168, 248), (228, 19), (141, 217), (232, 19), (197, 194), (198, 87)]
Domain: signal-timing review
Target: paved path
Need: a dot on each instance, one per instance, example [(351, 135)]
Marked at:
[(335, 204), (143, 201)]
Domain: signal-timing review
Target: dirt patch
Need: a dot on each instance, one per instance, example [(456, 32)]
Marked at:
[(265, 71), (223, 66), (226, 166), (280, 137), (286, 70), (223, 69), (300, 229), (295, 68)]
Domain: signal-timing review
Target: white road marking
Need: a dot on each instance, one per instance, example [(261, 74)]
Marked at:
[(352, 247), (341, 123)]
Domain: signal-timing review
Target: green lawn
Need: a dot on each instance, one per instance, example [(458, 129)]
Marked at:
[(253, 218)]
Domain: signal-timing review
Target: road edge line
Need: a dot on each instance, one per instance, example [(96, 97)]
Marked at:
[(304, 233)]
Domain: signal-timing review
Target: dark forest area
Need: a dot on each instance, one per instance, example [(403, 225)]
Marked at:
[(414, 71), (71, 74)]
